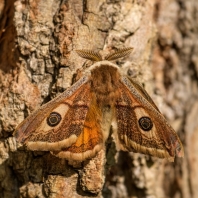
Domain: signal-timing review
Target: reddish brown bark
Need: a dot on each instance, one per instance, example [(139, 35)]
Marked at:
[(38, 39)]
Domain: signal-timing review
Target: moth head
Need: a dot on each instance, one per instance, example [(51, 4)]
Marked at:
[(96, 56)]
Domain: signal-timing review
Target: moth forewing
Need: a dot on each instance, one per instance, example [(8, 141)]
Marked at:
[(162, 135), (36, 132), (142, 91)]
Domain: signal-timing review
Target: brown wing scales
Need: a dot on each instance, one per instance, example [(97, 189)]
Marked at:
[(90, 140), (36, 132), (134, 117)]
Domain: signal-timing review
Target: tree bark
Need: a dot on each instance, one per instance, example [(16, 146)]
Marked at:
[(38, 61)]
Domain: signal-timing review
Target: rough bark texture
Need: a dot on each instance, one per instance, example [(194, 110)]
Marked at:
[(38, 61)]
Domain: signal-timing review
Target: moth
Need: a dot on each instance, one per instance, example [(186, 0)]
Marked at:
[(76, 124)]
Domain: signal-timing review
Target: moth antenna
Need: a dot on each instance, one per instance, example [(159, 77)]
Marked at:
[(90, 55), (118, 53)]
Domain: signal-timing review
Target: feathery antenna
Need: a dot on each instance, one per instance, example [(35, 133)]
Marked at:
[(90, 55), (96, 56), (118, 53)]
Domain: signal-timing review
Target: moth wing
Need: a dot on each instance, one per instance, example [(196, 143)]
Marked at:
[(143, 92), (69, 110), (141, 127), (90, 140)]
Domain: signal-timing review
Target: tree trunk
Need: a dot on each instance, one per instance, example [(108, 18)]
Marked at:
[(38, 61)]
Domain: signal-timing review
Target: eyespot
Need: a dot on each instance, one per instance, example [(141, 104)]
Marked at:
[(53, 119), (145, 123)]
